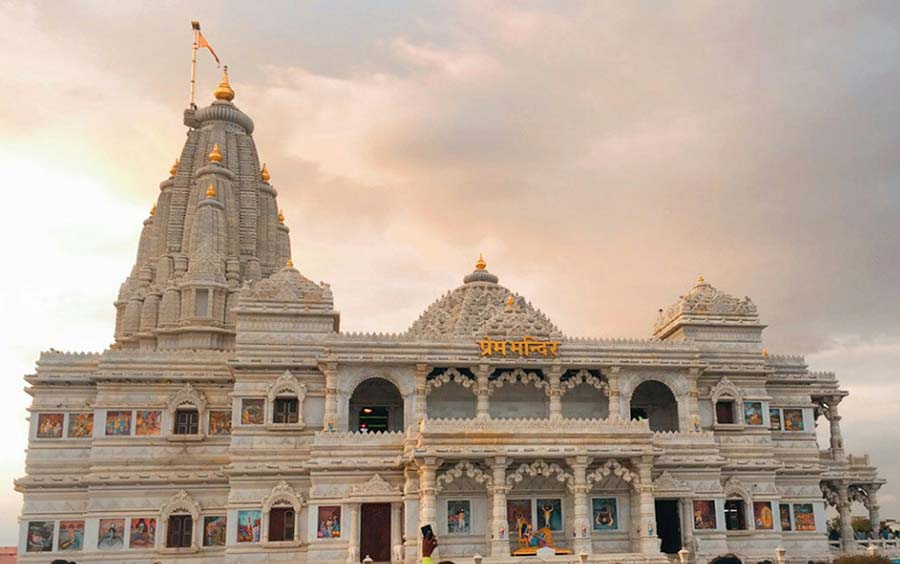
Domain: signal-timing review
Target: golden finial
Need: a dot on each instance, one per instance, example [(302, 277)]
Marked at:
[(281, 216), (290, 263), (700, 279), (214, 155), (264, 173), (480, 265), (174, 169), (153, 210), (211, 191), (765, 353), (224, 91), (510, 301)]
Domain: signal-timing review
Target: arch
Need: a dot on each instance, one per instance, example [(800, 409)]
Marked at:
[(734, 488), (448, 376), (382, 397), (282, 495), (582, 377), (286, 386), (655, 401), (725, 389), (187, 396), (539, 468), (516, 394), (726, 559), (180, 504), (463, 468), (452, 401), (629, 382), (615, 468), (519, 376)]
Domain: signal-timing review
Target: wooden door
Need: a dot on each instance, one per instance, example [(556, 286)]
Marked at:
[(375, 532)]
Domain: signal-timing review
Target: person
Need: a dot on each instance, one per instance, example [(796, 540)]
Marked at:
[(428, 546)]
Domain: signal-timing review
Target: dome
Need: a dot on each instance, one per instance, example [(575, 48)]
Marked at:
[(481, 307)]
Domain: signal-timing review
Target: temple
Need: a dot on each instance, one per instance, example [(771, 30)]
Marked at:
[(233, 421)]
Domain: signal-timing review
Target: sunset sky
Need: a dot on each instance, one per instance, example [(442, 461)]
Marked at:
[(600, 155)]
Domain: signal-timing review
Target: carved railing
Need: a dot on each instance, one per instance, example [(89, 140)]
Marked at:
[(566, 426), (349, 438)]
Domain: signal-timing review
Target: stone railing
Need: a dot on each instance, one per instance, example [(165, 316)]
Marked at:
[(611, 425), (349, 438), (688, 438)]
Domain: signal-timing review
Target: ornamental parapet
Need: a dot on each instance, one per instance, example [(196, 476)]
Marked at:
[(357, 438), (699, 437), (534, 427)]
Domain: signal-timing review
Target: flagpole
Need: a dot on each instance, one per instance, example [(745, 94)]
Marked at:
[(196, 27)]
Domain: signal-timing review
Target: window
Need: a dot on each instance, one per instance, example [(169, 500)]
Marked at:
[(281, 524), (734, 515), (286, 411), (374, 419), (725, 411), (180, 531), (201, 298), (187, 422)]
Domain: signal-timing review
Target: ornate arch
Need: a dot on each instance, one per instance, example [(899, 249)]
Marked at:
[(282, 494), (735, 488), (519, 376), (628, 383), (539, 468), (350, 378), (584, 377), (178, 504), (463, 468), (615, 468), (447, 376), (287, 383), (830, 494), (725, 388)]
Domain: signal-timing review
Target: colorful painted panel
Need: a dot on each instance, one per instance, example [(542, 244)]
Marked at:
[(793, 419), (459, 517), (220, 422), (253, 411), (71, 535), (110, 534), (753, 414), (143, 533), (50, 426), (774, 418), (249, 524), (40, 536), (704, 514), (804, 518), (519, 518), (329, 522), (148, 423), (81, 426), (118, 423), (214, 529), (784, 511), (605, 513), (762, 515), (549, 514)]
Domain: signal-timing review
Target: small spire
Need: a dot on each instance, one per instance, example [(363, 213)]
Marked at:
[(224, 91), (510, 301), (174, 170), (153, 210), (215, 156), (480, 265), (700, 280), (264, 173), (211, 191), (281, 217), (765, 353), (290, 263)]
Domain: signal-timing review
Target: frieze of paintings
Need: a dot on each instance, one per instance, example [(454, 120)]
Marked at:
[(71, 535), (329, 522), (118, 423), (249, 523), (549, 514), (793, 420), (220, 422), (214, 529), (774, 419), (605, 513), (50, 426), (143, 533), (804, 518), (519, 518), (704, 514), (753, 414), (459, 517), (762, 515), (784, 512), (81, 426), (110, 534), (253, 411), (40, 536), (147, 423)]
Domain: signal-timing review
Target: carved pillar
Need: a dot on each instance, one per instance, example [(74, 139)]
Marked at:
[(648, 541), (353, 535), (499, 532), (427, 475), (874, 513), (396, 537), (329, 369), (553, 376), (691, 419), (483, 408), (687, 520), (411, 515), (837, 442), (580, 488), (615, 401), (844, 511), (421, 407)]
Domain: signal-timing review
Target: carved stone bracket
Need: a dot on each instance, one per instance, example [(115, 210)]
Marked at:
[(614, 468), (463, 468), (539, 468), (520, 376)]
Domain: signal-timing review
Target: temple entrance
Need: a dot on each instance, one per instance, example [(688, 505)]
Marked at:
[(655, 401), (668, 525), (375, 532), (376, 406)]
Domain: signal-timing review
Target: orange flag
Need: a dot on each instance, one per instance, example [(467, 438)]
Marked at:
[(202, 42)]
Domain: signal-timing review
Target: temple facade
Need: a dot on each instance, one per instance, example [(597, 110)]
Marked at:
[(233, 421)]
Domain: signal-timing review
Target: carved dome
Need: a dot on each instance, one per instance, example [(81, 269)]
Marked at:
[(480, 308), (706, 304), (288, 285)]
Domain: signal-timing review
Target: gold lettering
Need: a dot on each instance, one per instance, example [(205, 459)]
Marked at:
[(523, 348)]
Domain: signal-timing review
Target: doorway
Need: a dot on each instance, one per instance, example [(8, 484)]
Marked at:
[(668, 525), (375, 532)]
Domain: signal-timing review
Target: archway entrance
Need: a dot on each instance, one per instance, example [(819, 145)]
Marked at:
[(668, 525), (726, 559), (655, 401), (376, 406)]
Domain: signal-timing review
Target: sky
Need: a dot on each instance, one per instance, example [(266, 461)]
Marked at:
[(601, 155)]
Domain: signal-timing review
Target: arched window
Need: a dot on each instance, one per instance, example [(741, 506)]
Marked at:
[(376, 406), (654, 401), (727, 402), (187, 408), (281, 509), (285, 397), (179, 516)]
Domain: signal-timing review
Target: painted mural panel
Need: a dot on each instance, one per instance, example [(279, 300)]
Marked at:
[(219, 422), (793, 419), (519, 518), (50, 426), (753, 414), (148, 423), (214, 529), (81, 426), (459, 517), (762, 515), (784, 512), (605, 513), (71, 535), (40, 536), (549, 514), (704, 514), (253, 411), (249, 522), (804, 518), (329, 522), (143, 533), (118, 423), (110, 534)]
